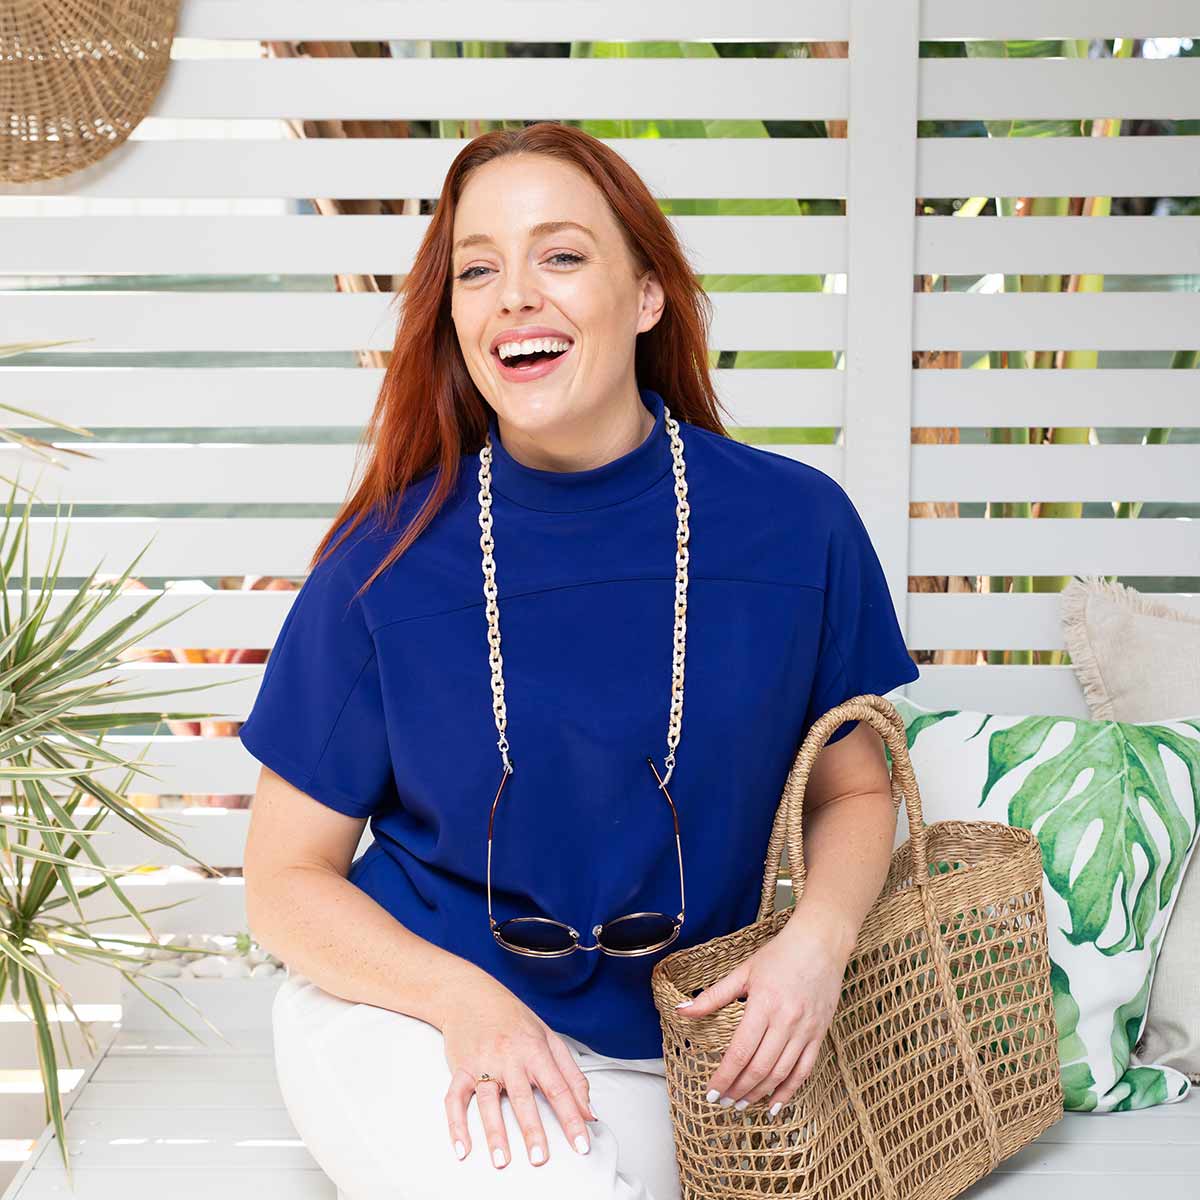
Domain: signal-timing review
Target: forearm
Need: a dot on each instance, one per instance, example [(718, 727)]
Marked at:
[(332, 932), (847, 851)]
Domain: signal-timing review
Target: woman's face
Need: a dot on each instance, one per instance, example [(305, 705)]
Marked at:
[(570, 285)]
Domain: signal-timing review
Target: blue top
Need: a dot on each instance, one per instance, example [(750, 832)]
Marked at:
[(382, 707)]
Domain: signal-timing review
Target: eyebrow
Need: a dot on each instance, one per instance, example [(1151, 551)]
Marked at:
[(543, 227)]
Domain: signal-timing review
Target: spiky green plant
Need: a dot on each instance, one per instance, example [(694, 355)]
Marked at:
[(35, 445), (54, 715)]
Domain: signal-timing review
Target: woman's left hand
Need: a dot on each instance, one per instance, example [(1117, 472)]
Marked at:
[(791, 986)]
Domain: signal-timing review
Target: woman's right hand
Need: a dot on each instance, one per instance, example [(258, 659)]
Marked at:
[(494, 1031)]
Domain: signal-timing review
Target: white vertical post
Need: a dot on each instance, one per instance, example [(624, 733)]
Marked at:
[(881, 188)]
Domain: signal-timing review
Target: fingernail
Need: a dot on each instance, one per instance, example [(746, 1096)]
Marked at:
[(684, 1003), (498, 1156), (776, 1107), (459, 1149), (537, 1154), (741, 1104), (581, 1143), (726, 1101), (592, 1113), (712, 1094)]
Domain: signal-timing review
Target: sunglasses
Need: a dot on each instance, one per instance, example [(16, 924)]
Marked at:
[(633, 934)]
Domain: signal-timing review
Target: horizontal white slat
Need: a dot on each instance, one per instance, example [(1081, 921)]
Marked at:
[(1031, 546), (49, 1182), (174, 1093), (220, 618), (1166, 473), (267, 321), (150, 1044), (741, 321), (1017, 689), (966, 621), (667, 20), (1041, 245), (254, 1140), (140, 244), (977, 398), (955, 89), (118, 1069), (184, 547), (192, 906), (1166, 165), (961, 19), (217, 835), (158, 474), (518, 20), (221, 397), (1071, 321), (122, 473), (257, 474), (698, 89), (507, 88), (225, 691), (779, 245), (391, 167)]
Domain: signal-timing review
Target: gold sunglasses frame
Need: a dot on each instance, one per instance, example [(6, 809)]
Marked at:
[(596, 929)]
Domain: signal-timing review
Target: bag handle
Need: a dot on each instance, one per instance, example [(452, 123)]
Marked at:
[(883, 716)]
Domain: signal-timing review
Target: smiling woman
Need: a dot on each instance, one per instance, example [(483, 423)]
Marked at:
[(544, 447)]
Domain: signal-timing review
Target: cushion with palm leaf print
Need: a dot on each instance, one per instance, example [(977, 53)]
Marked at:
[(1138, 659), (1115, 808)]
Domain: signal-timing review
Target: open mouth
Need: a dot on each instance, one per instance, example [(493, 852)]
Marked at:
[(535, 356), (532, 365)]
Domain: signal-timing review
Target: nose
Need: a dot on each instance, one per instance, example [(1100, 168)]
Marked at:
[(519, 290)]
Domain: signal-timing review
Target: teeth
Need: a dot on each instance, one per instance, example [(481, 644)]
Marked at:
[(508, 349)]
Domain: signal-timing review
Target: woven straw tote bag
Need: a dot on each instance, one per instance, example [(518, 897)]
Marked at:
[(942, 1056)]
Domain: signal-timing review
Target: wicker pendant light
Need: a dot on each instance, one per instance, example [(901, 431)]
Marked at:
[(76, 77)]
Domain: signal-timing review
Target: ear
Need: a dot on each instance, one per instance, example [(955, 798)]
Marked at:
[(652, 300)]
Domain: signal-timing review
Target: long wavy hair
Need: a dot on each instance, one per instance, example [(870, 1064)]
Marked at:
[(429, 411)]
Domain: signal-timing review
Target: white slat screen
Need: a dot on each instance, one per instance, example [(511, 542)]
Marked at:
[(220, 371)]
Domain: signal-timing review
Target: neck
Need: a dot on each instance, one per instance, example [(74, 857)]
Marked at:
[(591, 440)]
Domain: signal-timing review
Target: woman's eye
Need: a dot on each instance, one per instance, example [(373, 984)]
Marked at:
[(563, 255)]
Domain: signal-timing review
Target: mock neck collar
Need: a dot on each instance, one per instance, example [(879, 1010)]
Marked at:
[(618, 479)]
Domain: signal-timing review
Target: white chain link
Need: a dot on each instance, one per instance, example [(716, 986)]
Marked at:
[(487, 545)]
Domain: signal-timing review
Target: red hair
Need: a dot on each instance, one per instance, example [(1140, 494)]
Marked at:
[(429, 411)]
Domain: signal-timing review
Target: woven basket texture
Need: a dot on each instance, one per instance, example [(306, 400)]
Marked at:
[(76, 77), (942, 1057)]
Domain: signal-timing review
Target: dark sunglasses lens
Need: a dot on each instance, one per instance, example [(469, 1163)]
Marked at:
[(636, 933), (540, 936)]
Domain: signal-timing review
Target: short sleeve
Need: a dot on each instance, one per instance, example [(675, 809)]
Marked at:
[(318, 719), (861, 647)]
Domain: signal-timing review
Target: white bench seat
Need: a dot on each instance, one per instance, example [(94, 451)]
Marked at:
[(157, 1115)]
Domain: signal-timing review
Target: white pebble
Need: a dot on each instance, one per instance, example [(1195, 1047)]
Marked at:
[(232, 968), (164, 970), (264, 970)]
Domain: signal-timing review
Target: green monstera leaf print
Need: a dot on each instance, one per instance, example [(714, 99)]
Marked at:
[(1108, 775), (1078, 1082)]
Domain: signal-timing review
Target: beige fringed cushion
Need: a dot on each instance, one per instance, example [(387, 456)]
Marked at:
[(1139, 660)]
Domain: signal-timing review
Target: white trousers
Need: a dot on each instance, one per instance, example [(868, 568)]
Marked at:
[(365, 1088)]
